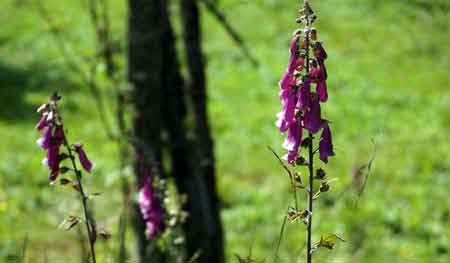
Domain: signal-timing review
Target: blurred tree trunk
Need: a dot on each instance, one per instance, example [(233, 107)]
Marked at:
[(145, 63), (159, 98), (204, 143)]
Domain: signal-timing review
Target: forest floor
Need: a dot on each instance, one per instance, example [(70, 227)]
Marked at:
[(388, 89)]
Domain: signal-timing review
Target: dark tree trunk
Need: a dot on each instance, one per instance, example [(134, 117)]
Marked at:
[(204, 143), (159, 99), (145, 59)]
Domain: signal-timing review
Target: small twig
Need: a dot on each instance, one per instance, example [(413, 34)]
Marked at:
[(220, 16), (369, 167), (280, 237), (87, 79), (291, 177)]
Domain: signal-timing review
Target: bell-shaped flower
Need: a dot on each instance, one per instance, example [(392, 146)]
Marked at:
[(304, 96), (287, 78), (294, 138), (42, 122), (312, 120), (82, 156), (326, 144), (291, 156), (151, 209), (53, 161), (321, 90), (287, 114), (319, 52), (45, 140)]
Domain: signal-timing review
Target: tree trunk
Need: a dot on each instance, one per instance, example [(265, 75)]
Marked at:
[(145, 62), (204, 143), (160, 107)]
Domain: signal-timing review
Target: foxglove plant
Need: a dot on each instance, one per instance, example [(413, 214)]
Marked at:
[(150, 205), (55, 142), (303, 91)]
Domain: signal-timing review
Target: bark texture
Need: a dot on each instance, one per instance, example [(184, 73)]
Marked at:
[(145, 59), (204, 143), (160, 121)]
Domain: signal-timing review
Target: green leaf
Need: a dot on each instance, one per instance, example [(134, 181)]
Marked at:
[(69, 223), (327, 241)]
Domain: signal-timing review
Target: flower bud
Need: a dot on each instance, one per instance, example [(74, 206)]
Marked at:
[(320, 174), (314, 34), (301, 161), (324, 187)]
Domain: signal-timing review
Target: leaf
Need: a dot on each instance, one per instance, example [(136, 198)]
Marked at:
[(64, 170), (327, 241), (295, 215), (69, 223), (103, 234), (64, 181)]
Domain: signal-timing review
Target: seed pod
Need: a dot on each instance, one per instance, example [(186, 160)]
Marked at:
[(314, 34), (320, 174), (324, 187), (300, 161)]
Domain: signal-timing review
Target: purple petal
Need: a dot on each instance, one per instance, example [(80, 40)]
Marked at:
[(291, 156), (321, 90), (53, 161), (312, 118), (46, 137), (294, 138), (42, 122), (326, 144), (82, 156), (151, 209), (286, 116), (304, 96)]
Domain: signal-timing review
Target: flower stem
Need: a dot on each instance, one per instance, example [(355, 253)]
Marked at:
[(310, 153), (310, 199), (83, 198)]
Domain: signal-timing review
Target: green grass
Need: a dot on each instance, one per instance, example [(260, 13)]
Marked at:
[(388, 66)]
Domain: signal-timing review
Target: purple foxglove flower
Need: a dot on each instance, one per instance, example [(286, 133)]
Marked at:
[(151, 209), (287, 114), (291, 156), (84, 160), (294, 138), (326, 144), (323, 71), (319, 52), (42, 122), (46, 138), (53, 161), (300, 63), (321, 90), (58, 136), (304, 96), (312, 120), (287, 79)]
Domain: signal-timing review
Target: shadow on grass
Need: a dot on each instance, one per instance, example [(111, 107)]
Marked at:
[(16, 84)]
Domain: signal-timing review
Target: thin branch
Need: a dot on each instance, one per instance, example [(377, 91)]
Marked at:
[(289, 172), (87, 78), (280, 237), (369, 167), (220, 16)]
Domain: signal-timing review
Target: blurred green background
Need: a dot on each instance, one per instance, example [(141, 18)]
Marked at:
[(388, 82)]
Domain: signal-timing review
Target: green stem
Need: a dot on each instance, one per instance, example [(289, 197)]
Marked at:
[(310, 153), (83, 197)]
